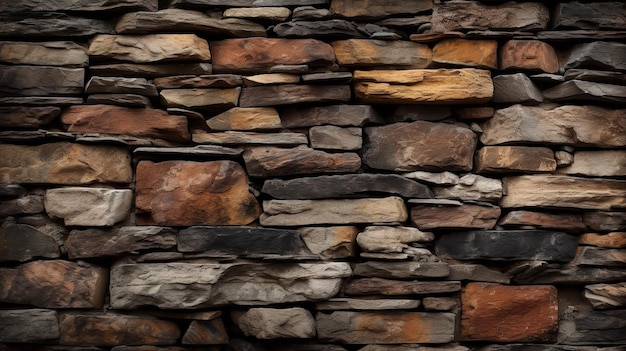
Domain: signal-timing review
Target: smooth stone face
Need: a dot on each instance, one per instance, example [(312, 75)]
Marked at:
[(507, 245), (601, 55), (401, 270), (89, 206), (379, 286), (54, 284), (193, 193), (363, 53), (149, 48), (81, 5), (528, 55), (605, 15), (250, 138), (288, 94), (541, 220), (467, 53), (254, 118), (522, 313), (51, 53), (21, 242), (515, 89), (41, 80), (53, 25), (514, 159), (206, 99), (120, 85), (338, 115), (209, 332), (390, 239), (27, 116), (330, 242), (455, 217), (115, 241), (587, 91), (28, 326), (369, 9), (277, 323), (335, 138), (606, 296), (472, 187)]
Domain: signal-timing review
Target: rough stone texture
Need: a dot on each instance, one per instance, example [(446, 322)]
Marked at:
[(472, 187), (199, 81), (601, 55), (209, 99), (467, 53), (273, 14), (594, 327), (528, 55), (390, 239), (150, 70), (350, 185), (588, 126), (53, 25), (344, 211), (251, 138), (254, 118), (273, 161), (606, 296), (28, 117), (206, 333), (29, 204), (277, 323), (419, 145), (21, 242), (330, 242), (477, 273), (110, 329), (29, 326), (550, 191), (88, 206), (116, 241), (287, 94), (328, 29), (605, 221), (125, 100), (379, 286), (336, 138), (597, 256), (54, 284), (401, 270), (41, 81), (255, 55), (386, 327), (51, 53), (440, 303), (522, 313), (442, 178), (271, 79), (144, 122), (338, 115), (615, 240), (607, 163), (575, 90), (149, 48), (80, 5), (363, 53), (121, 85), (408, 113), (569, 275), (366, 304), (507, 245), (455, 217), (372, 9), (515, 89), (514, 159), (602, 15), (211, 284), (542, 220), (437, 86), (193, 193)]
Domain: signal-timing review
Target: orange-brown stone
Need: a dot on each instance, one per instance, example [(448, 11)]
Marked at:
[(532, 55), (614, 240), (377, 54), (543, 220), (467, 53)]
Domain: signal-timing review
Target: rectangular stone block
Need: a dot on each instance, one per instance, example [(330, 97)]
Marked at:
[(85, 206), (372, 9), (468, 216), (601, 163), (401, 270), (363, 53), (392, 287), (514, 159), (53, 25), (338, 115), (80, 5), (50, 53), (41, 81), (28, 326), (591, 16), (149, 48), (288, 94)]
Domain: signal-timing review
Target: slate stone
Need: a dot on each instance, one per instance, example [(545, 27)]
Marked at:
[(51, 53), (605, 221), (41, 80), (472, 187), (514, 159), (580, 35), (262, 14), (120, 85), (379, 54), (124, 100), (605, 15), (570, 222), (210, 332), (150, 70), (242, 242), (29, 204), (401, 270), (594, 327), (596, 256), (250, 138), (115, 5), (467, 53), (21, 242), (83, 206), (204, 99), (470, 15), (330, 242), (528, 55), (28, 117), (477, 273), (570, 275), (580, 90), (507, 245), (28, 326), (199, 81), (601, 55), (277, 323), (455, 217), (338, 115), (52, 25), (321, 29), (592, 75), (335, 138), (349, 185), (606, 296), (515, 89), (615, 240), (288, 94)]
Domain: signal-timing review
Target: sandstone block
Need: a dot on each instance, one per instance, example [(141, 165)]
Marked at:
[(606, 296), (50, 53), (193, 193), (338, 115), (28, 326), (390, 239), (530, 55), (364, 53), (603, 55), (470, 15), (121, 85), (89, 206), (52, 25), (455, 217), (206, 99), (369, 9), (515, 89), (522, 313), (401, 270), (419, 145), (336, 138), (513, 159), (22, 242), (592, 16), (606, 163), (615, 240), (467, 53), (277, 323), (576, 90), (559, 221), (54, 284), (440, 303), (288, 94), (65, 5), (345, 211), (273, 14), (605, 221), (209, 332), (149, 48), (28, 117), (437, 86), (253, 118), (330, 242), (41, 81), (379, 286), (472, 187)]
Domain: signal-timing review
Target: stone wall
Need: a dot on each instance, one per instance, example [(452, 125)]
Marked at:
[(312, 175)]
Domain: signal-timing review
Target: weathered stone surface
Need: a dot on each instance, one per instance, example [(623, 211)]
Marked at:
[(597, 256), (271, 79), (110, 242), (51, 53), (199, 151), (390, 239), (419, 145), (515, 89), (28, 326), (467, 53), (273, 161), (327, 77), (338, 115), (472, 187), (368, 9), (210, 284), (29, 204), (422, 86), (199, 81), (528, 55), (562, 191), (594, 75), (440, 303), (254, 118), (273, 14), (345, 211), (615, 240), (415, 347), (124, 100), (587, 91), (54, 284), (81, 5), (442, 178), (379, 286), (543, 220), (606, 163), (208, 99), (193, 193), (310, 13), (401, 270), (409, 113), (455, 217), (210, 332), (367, 304), (242, 242), (363, 53), (470, 15), (52, 24), (110, 329), (385, 327), (606, 296), (474, 113), (120, 85), (277, 323), (568, 125), (27, 117), (256, 55), (179, 20), (151, 70), (348, 185), (569, 275), (594, 328), (514, 159), (336, 138), (12, 191), (563, 158), (251, 138), (597, 55), (330, 242), (476, 273), (88, 206), (522, 313), (507, 245), (41, 100), (41, 80), (21, 242), (246, 3), (605, 15), (143, 122), (322, 29), (605, 221), (288, 94)]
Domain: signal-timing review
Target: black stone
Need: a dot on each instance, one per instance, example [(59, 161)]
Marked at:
[(350, 185), (21, 242), (507, 245)]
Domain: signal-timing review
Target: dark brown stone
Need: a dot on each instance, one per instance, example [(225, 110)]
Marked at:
[(200, 81), (322, 29), (528, 55), (28, 326), (471, 15), (514, 159), (21, 242), (27, 117), (338, 115), (543, 220), (293, 94), (150, 70), (600, 15), (455, 217), (379, 286), (605, 221), (81, 5), (372, 9), (206, 333), (52, 24)]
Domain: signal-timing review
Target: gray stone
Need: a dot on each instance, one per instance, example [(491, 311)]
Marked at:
[(333, 28), (604, 15), (472, 187), (335, 138), (328, 77), (592, 75), (593, 327), (468, 216), (50, 53), (605, 221), (540, 272), (206, 99), (28, 117), (330, 242), (366, 304), (303, 13), (477, 273), (120, 85), (606, 296), (11, 191), (80, 5), (277, 323), (232, 138), (246, 3), (41, 80), (443, 178), (515, 89), (390, 239), (605, 163), (41, 100), (378, 286), (88, 206), (202, 151), (150, 70), (199, 81), (52, 24), (407, 113), (338, 115), (601, 55), (21, 242), (401, 270), (597, 256), (288, 94), (29, 204), (28, 326), (580, 35), (125, 100), (580, 90)]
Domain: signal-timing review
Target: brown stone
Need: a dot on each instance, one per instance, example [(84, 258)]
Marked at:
[(577, 90), (474, 113), (110, 329), (467, 53), (514, 159), (251, 138), (151, 70), (379, 286), (422, 86), (73, 5), (419, 145), (256, 55), (338, 115), (210, 332), (288, 94), (455, 217), (363, 53), (29, 204), (197, 98), (614, 240), (32, 325), (371, 9), (238, 118), (51, 53), (64, 163), (330, 242), (542, 220), (193, 193), (531, 55), (142, 122), (54, 284), (273, 14), (199, 81), (27, 117), (522, 313), (606, 296), (149, 48), (271, 79), (603, 163), (41, 81), (471, 15), (605, 221)]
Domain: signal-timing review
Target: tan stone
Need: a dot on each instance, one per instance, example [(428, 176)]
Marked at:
[(532, 55), (363, 53), (437, 86), (604, 163), (64, 163), (521, 313), (252, 118), (287, 94), (455, 217), (562, 221), (277, 14), (330, 242), (51, 53), (149, 48), (251, 138), (613, 240), (271, 79), (370, 9), (467, 53), (514, 159), (209, 99), (193, 193)]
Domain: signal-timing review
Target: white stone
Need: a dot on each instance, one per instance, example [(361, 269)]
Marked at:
[(88, 206)]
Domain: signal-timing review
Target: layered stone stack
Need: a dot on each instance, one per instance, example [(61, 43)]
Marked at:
[(312, 175)]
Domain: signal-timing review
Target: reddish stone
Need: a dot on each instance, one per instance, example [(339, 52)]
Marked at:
[(454, 217), (530, 55), (541, 220)]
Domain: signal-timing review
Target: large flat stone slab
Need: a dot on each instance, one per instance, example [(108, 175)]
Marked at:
[(392, 287), (81, 5), (288, 94), (149, 48), (371, 9), (338, 115), (602, 163), (23, 80), (592, 16), (603, 55), (34, 325), (468, 216), (577, 90), (52, 25), (514, 159)]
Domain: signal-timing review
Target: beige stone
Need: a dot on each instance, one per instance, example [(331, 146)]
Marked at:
[(211, 99), (613, 240), (275, 14), (330, 242), (601, 163), (149, 48), (390, 239), (271, 79), (51, 53)]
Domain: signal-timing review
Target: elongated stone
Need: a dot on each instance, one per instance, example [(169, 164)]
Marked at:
[(52, 25), (347, 211), (401, 270), (338, 115), (570, 275), (54, 284), (51, 53), (455, 217), (542, 220), (28, 117), (209, 332), (124, 100), (348, 185), (150, 70), (366, 304), (271, 79), (605, 221), (277, 323), (330, 242), (513, 159), (211, 284), (390, 239), (117, 5), (616, 240), (437, 86), (597, 256), (237, 118), (409, 113), (251, 138), (28, 326), (470, 15), (273, 14), (594, 75), (199, 81), (288, 94), (88, 206), (594, 327), (120, 85), (197, 98), (29, 204), (369, 9), (606, 296), (21, 242), (246, 3), (586, 91), (506, 245), (363, 53), (41, 80), (603, 55), (332, 28), (472, 187), (336, 138), (532, 55), (515, 89), (593, 16), (467, 53), (379, 286), (477, 273), (606, 163)]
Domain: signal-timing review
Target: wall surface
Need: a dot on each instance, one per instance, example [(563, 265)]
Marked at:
[(312, 175)]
